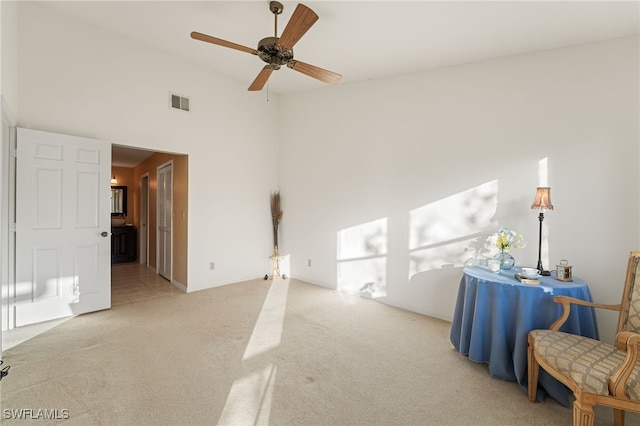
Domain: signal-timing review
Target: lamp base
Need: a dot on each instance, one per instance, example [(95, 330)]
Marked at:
[(539, 267)]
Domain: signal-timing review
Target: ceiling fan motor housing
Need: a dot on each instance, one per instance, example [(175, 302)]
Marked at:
[(271, 52)]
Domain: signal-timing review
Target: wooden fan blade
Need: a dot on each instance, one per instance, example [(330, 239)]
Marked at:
[(301, 20), (220, 42), (261, 79), (323, 75)]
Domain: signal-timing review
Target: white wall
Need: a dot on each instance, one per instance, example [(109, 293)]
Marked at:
[(372, 151), (81, 80), (8, 57), (381, 149)]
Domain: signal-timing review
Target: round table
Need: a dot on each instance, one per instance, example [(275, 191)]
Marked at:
[(495, 312)]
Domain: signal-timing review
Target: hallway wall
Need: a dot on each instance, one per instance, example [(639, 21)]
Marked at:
[(180, 230)]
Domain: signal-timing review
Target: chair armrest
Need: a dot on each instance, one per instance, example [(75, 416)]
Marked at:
[(626, 338), (630, 342), (566, 303)]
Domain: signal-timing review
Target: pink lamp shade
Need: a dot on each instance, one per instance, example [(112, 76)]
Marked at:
[(543, 199)]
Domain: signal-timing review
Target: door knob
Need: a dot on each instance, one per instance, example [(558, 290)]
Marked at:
[(105, 234)]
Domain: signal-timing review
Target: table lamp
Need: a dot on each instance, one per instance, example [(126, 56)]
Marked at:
[(542, 202)]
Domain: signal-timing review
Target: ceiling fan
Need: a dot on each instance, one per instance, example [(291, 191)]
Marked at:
[(277, 51)]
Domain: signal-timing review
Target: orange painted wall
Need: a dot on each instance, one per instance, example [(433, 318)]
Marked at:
[(180, 208)]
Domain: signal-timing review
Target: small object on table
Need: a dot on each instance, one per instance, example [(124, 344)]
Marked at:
[(531, 273), (493, 265), (525, 280), (563, 271)]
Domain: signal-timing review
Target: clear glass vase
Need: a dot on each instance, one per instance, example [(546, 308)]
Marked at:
[(506, 260)]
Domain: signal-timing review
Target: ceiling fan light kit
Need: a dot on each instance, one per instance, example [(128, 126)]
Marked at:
[(277, 51)]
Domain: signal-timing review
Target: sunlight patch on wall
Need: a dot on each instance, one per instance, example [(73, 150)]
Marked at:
[(439, 232), (543, 172), (362, 259), (267, 333), (543, 180)]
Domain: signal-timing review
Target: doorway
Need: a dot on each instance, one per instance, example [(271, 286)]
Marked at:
[(166, 241)]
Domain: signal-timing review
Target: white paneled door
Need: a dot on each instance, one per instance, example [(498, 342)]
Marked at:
[(165, 219), (63, 238)]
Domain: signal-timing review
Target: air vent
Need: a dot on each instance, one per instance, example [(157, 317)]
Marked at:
[(179, 102)]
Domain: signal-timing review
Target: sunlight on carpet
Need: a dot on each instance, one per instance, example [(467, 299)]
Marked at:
[(250, 397)]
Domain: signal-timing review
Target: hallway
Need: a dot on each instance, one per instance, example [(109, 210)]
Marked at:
[(130, 283)]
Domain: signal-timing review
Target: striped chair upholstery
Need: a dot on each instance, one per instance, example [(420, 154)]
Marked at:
[(632, 322), (589, 363), (596, 372)]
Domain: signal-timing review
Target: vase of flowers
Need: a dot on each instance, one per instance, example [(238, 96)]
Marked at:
[(506, 240)]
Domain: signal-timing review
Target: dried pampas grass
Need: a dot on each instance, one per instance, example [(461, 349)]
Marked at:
[(276, 216)]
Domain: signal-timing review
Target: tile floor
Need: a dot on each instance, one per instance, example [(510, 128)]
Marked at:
[(132, 283)]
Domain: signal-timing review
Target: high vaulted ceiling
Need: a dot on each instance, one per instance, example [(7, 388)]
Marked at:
[(362, 40)]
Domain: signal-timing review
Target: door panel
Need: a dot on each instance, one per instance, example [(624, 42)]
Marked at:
[(62, 226), (87, 200), (47, 198)]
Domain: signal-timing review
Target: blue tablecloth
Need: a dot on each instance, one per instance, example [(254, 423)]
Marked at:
[(494, 314)]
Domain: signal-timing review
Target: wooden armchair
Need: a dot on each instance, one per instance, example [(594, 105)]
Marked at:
[(597, 373)]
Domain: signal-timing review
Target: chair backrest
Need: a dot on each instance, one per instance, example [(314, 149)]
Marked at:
[(630, 314)]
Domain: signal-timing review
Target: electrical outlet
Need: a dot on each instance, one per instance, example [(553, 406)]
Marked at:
[(309, 262), (212, 265)]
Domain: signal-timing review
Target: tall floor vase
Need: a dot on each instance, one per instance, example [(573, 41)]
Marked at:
[(275, 258)]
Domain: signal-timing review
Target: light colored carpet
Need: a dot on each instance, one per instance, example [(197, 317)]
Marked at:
[(253, 353)]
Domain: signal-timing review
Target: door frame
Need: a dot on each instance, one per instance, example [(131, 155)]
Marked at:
[(7, 215), (144, 219)]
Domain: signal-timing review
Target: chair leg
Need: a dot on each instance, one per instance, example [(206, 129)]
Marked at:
[(618, 417), (532, 372), (583, 414)]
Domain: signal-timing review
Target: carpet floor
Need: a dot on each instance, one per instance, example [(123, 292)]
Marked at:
[(259, 352)]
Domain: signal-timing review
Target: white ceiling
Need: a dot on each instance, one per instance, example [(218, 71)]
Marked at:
[(362, 40)]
